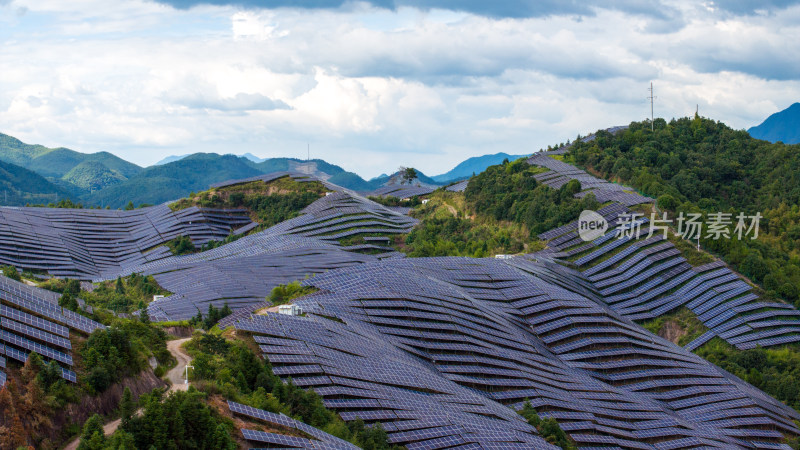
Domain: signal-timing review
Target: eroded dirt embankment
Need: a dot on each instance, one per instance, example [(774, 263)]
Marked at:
[(105, 403)]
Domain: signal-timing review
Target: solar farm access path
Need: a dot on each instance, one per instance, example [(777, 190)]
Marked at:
[(175, 377)]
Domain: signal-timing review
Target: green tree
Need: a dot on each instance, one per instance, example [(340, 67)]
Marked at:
[(73, 286), (126, 407), (12, 273), (68, 301), (667, 202), (407, 174), (92, 437)]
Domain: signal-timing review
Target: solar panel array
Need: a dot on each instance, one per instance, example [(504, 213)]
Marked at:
[(82, 243), (242, 273), (266, 178), (102, 244), (316, 439), (645, 277), (561, 173), (461, 186), (32, 321), (439, 351), (564, 149), (400, 191)]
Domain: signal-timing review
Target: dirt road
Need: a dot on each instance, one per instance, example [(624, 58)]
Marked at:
[(175, 376)]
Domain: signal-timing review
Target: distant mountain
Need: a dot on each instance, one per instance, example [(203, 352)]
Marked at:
[(474, 165), (176, 179), (397, 179), (316, 167), (320, 169), (71, 171), (158, 184), (173, 158), (102, 179), (253, 158), (169, 159), (56, 162), (352, 181), (19, 186), (782, 126)]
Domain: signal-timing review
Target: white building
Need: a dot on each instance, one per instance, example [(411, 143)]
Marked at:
[(290, 310)]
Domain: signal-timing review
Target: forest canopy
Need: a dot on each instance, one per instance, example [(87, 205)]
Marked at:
[(696, 165)]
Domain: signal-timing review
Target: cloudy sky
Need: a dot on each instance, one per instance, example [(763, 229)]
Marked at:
[(378, 84)]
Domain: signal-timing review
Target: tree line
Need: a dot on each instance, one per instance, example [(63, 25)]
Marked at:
[(696, 165)]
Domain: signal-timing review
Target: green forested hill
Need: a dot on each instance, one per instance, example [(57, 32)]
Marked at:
[(285, 164), (174, 180), (60, 161), (352, 181), (698, 165), (102, 179), (56, 162), (93, 176), (19, 186), (14, 151)]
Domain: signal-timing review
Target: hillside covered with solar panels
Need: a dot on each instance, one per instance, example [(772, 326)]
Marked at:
[(473, 315)]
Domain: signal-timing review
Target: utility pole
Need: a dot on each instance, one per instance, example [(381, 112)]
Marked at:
[(308, 151), (186, 378), (651, 97)]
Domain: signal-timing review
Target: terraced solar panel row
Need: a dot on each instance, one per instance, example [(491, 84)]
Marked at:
[(318, 440), (83, 243), (400, 191), (461, 186), (409, 342), (633, 281), (565, 148), (646, 278), (242, 273), (603, 190), (32, 321)]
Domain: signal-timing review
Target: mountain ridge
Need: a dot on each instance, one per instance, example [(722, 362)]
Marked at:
[(474, 165), (783, 126), (106, 180), (20, 186)]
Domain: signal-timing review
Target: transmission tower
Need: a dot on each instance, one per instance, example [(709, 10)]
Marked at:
[(651, 98)]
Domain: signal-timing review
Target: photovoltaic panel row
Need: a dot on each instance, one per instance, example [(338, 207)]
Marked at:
[(32, 321), (506, 331)]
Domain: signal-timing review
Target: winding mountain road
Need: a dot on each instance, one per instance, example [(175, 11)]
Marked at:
[(176, 374), (175, 377)]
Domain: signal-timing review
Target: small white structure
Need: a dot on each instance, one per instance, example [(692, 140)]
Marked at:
[(158, 297), (424, 201), (290, 310), (502, 256)]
